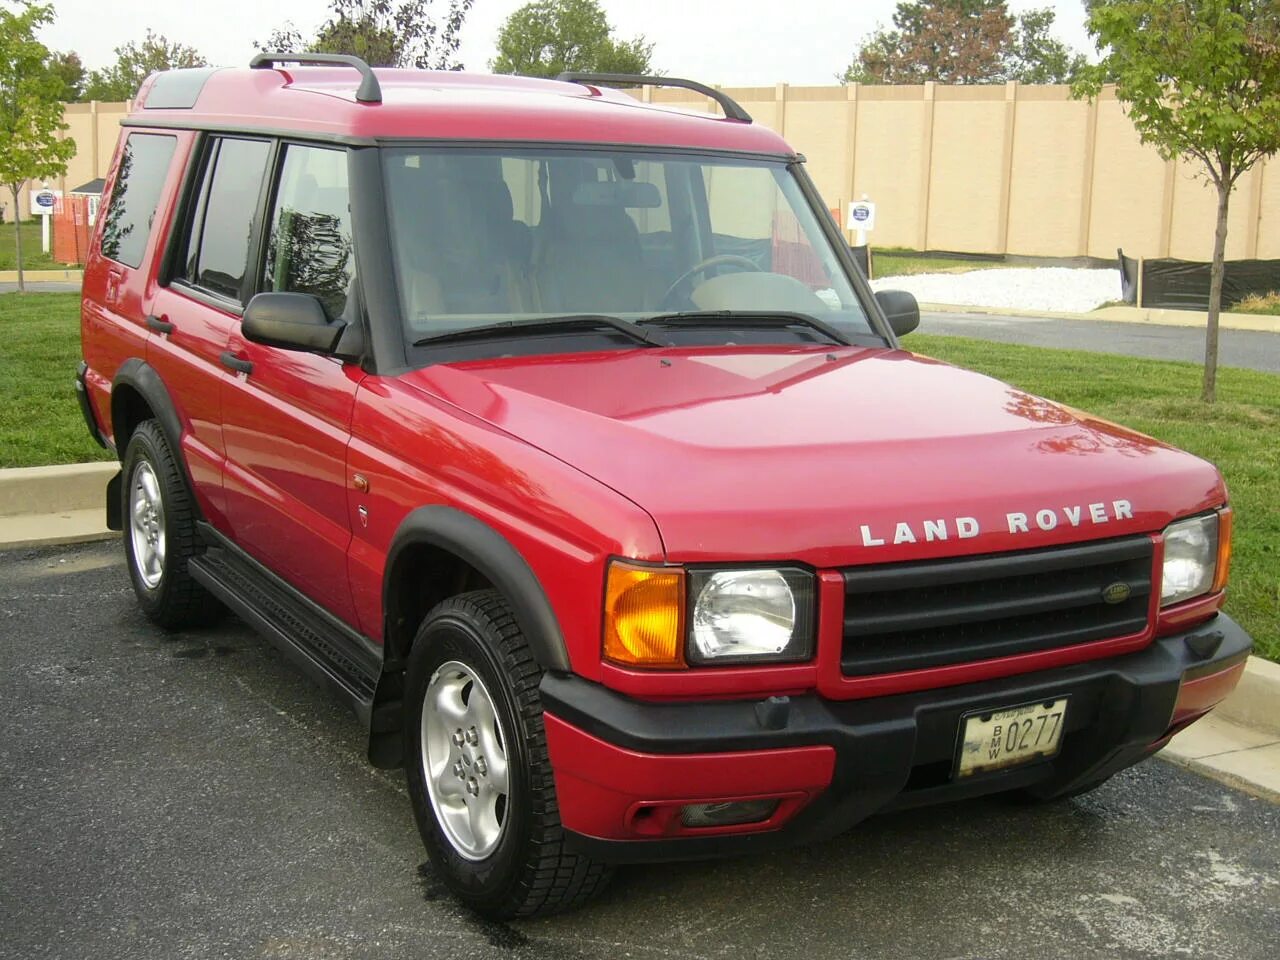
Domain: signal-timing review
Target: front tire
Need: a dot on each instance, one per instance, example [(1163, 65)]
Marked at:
[(160, 533), (477, 768)]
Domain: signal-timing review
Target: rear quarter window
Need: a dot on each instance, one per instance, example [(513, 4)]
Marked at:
[(141, 175)]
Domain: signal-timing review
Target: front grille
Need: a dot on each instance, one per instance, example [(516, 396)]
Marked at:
[(909, 616)]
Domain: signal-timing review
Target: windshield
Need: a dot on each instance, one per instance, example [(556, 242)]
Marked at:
[(495, 236)]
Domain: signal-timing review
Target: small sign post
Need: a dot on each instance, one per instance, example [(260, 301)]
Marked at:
[(862, 218), (42, 203)]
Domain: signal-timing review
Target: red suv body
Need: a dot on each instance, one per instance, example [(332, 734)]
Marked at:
[(558, 434)]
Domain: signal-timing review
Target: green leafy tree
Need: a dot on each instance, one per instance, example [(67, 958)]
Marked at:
[(137, 61), (70, 71), (547, 37), (1035, 55), (1200, 79), (30, 109), (963, 41), (383, 33)]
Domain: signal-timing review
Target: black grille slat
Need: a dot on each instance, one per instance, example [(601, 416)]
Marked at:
[(916, 615), (976, 612), (995, 566)]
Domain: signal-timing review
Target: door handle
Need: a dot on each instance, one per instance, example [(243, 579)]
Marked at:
[(158, 325), (237, 364)]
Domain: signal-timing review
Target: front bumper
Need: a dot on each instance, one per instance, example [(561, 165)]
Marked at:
[(619, 761)]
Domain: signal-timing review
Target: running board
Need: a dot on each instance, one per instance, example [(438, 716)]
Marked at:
[(327, 650)]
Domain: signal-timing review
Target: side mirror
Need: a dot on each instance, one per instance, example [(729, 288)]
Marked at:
[(291, 321), (900, 309)]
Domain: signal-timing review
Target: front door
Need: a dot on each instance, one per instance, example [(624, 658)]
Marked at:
[(287, 415)]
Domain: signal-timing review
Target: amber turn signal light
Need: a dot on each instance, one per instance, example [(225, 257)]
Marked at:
[(644, 616), (1224, 550)]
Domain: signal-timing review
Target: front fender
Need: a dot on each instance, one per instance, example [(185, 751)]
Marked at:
[(488, 552)]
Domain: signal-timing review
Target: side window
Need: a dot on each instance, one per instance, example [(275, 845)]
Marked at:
[(144, 165), (309, 247), (218, 244)]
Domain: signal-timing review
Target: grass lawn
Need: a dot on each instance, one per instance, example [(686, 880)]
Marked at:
[(32, 256), (40, 422), (1240, 433), (896, 262)]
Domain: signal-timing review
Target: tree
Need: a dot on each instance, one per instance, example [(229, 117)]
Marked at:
[(70, 72), (547, 37), (30, 109), (137, 61), (1035, 55), (382, 33), (963, 41), (1199, 79)]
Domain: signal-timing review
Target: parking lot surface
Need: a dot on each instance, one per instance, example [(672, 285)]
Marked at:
[(191, 795)]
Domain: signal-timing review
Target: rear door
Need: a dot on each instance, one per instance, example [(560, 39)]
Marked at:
[(195, 313), (287, 420), (118, 275)]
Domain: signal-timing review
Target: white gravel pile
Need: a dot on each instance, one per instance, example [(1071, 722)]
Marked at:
[(1037, 289)]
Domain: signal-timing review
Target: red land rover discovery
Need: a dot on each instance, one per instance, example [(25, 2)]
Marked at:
[(560, 436)]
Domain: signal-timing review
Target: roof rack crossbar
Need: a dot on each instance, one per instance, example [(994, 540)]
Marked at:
[(369, 91), (732, 110)]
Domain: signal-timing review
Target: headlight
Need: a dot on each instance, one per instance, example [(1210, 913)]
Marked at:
[(1190, 559), (750, 615)]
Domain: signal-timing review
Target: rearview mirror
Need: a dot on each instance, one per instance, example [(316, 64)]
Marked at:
[(291, 321), (900, 309)]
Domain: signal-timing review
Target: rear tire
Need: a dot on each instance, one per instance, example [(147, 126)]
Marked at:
[(160, 534), (477, 768)]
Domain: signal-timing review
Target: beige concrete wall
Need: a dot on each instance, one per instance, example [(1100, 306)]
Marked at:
[(94, 127), (1004, 169), (976, 169)]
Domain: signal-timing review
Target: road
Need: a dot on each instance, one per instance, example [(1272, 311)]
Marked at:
[(191, 795), (1237, 348)]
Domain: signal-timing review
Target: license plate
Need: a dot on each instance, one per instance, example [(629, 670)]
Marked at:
[(992, 739)]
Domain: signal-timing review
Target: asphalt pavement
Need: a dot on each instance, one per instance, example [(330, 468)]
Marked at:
[(1236, 348), (191, 795)]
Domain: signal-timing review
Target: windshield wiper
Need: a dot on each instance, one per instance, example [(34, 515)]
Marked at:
[(746, 318), (575, 321)]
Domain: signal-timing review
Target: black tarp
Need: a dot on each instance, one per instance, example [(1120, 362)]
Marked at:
[(1184, 284)]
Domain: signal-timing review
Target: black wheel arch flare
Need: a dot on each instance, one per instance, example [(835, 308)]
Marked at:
[(490, 554), (140, 377)]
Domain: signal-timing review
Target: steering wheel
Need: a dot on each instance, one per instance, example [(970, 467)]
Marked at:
[(720, 260)]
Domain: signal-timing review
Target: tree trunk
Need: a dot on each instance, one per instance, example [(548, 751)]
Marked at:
[(1210, 391), (17, 236)]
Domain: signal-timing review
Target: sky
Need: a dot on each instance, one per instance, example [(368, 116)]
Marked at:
[(732, 42)]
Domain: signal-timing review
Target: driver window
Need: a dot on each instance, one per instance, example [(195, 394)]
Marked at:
[(309, 248)]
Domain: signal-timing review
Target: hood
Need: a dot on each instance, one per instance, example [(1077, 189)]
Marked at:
[(830, 457)]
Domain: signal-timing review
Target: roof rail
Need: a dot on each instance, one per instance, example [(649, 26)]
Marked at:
[(369, 91), (732, 110)]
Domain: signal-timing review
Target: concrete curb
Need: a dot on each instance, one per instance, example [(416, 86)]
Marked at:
[(1255, 702), (43, 276), (51, 506), (25, 491), (1166, 318)]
